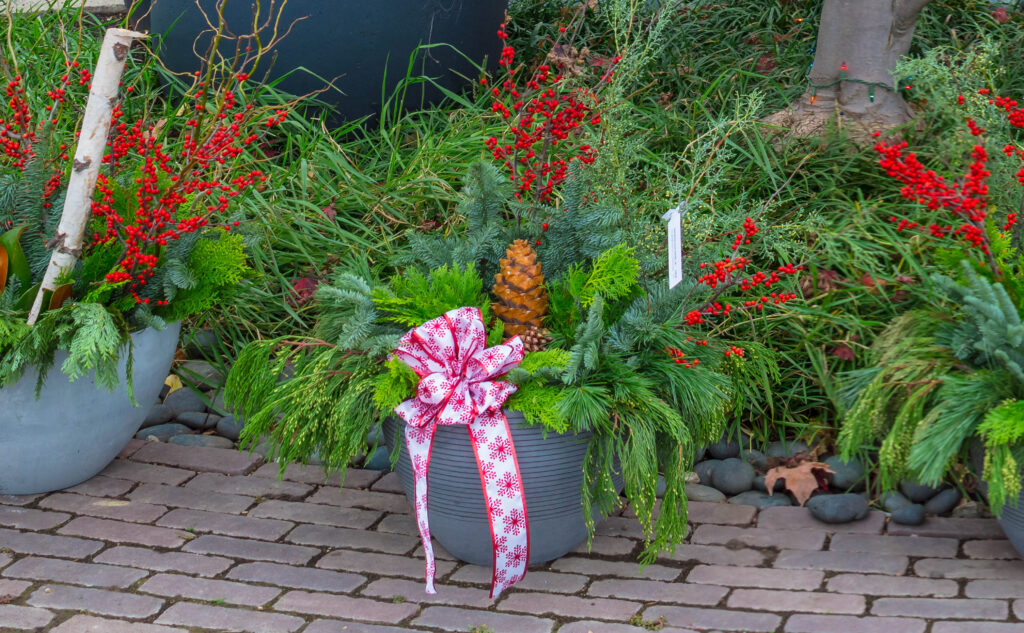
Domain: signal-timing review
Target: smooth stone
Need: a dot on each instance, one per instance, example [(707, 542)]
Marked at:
[(759, 484), (662, 485), (230, 427), (697, 492), (724, 449), (209, 441), (202, 343), (198, 421), (755, 458), (200, 373), (706, 469), (838, 508), (785, 449), (158, 414), (164, 390), (380, 460), (944, 502), (217, 404), (699, 454), (374, 436), (918, 492), (163, 432), (760, 500), (266, 448), (846, 475), (909, 515), (183, 400), (969, 510), (733, 476), (893, 501)]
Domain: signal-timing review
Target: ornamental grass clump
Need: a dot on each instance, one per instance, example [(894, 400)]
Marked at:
[(159, 242), (954, 371)]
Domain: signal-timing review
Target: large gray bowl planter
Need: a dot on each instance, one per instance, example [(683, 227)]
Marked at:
[(74, 429), (552, 471), (1012, 522)]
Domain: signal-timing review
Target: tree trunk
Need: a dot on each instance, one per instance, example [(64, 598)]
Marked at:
[(860, 40)]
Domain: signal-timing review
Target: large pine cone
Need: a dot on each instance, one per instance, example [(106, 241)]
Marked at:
[(519, 286)]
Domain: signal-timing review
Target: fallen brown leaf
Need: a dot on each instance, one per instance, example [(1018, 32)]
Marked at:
[(801, 480)]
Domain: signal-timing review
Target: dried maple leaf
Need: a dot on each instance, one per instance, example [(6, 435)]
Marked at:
[(801, 480), (842, 351)]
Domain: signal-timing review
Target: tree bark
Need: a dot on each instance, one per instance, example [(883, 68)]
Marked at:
[(868, 37)]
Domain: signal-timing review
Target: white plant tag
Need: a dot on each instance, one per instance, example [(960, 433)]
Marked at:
[(675, 245)]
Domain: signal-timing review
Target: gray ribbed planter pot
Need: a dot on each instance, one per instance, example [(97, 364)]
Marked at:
[(1012, 523), (552, 471), (74, 429)]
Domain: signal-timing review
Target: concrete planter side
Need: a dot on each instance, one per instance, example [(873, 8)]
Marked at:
[(552, 471), (74, 429)]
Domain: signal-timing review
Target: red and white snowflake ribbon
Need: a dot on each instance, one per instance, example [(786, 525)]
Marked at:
[(457, 386)]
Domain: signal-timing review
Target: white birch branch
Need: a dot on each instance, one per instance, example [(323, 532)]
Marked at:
[(86, 166)]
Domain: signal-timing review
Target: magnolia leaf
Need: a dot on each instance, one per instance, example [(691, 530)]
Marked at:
[(17, 264), (60, 295), (25, 301), (801, 480), (3, 268)]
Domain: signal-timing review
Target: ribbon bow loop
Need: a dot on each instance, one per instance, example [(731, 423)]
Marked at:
[(458, 385)]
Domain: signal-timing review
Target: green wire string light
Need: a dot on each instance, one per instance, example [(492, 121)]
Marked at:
[(842, 77)]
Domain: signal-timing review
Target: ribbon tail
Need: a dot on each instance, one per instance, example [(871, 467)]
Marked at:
[(504, 497), (418, 442)]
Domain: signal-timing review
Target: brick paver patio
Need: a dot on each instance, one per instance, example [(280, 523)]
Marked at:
[(172, 539)]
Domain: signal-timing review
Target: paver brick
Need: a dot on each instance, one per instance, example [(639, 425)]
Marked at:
[(228, 619), (48, 544), (656, 591), (11, 589), (716, 555), (607, 546), (337, 626), (101, 601), (453, 619), (131, 447), (388, 483), (802, 601), (105, 508), (593, 626), (252, 486), (994, 589), (146, 473), (570, 606), (412, 591), (88, 574), (800, 520), (716, 619), (893, 586), (620, 526), (534, 581), (917, 546), (175, 586), (90, 624), (315, 475), (24, 618), (227, 524), (756, 577), (758, 537), (991, 549), (969, 569), (383, 564), (950, 527), (18, 500), (333, 605), (297, 577), (251, 550), (194, 499), (145, 558), (319, 514), (978, 627), (102, 486), (350, 498), (1018, 608), (200, 458), (942, 608), (721, 513), (862, 562), (30, 519), (121, 532), (398, 524), (597, 567), (801, 623), (352, 539)]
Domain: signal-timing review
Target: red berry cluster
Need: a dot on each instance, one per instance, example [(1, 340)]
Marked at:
[(743, 237), (543, 118), (680, 358), (966, 200), (734, 351), (177, 190)]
